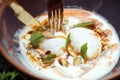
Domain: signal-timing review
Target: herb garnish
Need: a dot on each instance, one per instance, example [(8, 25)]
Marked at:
[(48, 61), (49, 58), (84, 52), (85, 24), (35, 39), (67, 42), (43, 28)]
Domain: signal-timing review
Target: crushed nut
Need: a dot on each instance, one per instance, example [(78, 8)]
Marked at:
[(63, 62), (72, 53), (77, 61)]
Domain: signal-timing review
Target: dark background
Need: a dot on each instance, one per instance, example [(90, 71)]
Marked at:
[(110, 9)]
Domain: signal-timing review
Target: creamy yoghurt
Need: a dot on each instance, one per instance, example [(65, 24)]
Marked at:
[(99, 39)]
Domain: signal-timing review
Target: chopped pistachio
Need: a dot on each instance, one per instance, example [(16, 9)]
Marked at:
[(48, 61), (29, 46), (50, 56), (42, 56), (72, 53), (63, 62), (77, 61), (40, 29), (47, 26), (43, 28)]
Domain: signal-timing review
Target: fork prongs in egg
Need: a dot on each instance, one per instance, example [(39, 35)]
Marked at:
[(56, 21)]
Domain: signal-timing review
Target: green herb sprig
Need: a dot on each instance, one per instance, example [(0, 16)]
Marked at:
[(85, 24), (84, 52), (67, 42), (35, 39), (49, 58)]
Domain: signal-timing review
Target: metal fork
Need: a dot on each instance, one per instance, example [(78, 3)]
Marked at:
[(55, 15)]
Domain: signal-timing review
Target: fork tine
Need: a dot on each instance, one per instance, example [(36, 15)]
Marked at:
[(61, 18), (57, 29), (51, 22), (55, 21), (58, 19)]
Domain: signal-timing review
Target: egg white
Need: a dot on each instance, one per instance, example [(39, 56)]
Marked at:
[(79, 36)]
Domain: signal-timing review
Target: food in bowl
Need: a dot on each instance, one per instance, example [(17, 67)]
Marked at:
[(86, 44)]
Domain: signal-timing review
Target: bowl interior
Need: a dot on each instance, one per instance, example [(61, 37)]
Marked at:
[(9, 23)]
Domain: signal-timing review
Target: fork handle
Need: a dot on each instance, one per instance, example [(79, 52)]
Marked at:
[(54, 2), (51, 5)]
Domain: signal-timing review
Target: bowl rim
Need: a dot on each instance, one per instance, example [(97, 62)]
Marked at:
[(23, 70), (17, 66)]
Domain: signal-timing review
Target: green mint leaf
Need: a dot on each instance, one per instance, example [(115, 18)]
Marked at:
[(85, 24), (35, 39), (84, 52), (67, 41)]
